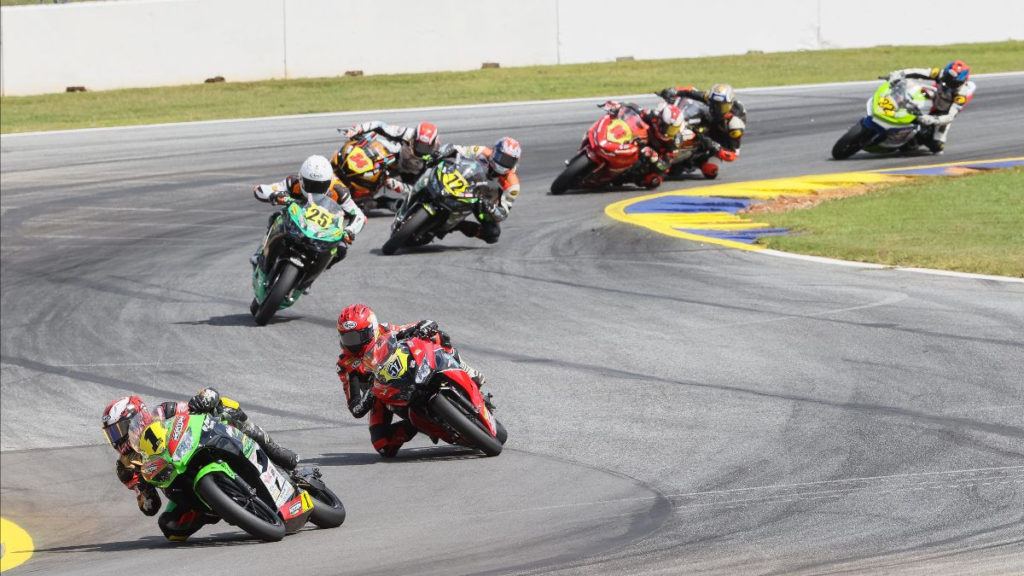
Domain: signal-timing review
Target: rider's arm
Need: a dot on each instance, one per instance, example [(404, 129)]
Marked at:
[(269, 192), (354, 215), (920, 73), (509, 192)]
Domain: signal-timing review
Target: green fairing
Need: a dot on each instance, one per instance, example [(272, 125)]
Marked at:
[(330, 233), (175, 467), (900, 116)]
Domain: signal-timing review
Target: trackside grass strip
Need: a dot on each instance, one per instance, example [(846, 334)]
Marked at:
[(972, 223), (283, 97)]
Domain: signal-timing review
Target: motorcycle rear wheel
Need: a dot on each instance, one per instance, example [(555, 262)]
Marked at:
[(467, 425), (240, 509), (850, 143), (401, 237), (578, 168), (283, 285)]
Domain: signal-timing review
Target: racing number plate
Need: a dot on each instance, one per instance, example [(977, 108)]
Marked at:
[(319, 216)]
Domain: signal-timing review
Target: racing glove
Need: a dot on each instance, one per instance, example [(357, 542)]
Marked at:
[(360, 408), (148, 499), (205, 402), (668, 94)]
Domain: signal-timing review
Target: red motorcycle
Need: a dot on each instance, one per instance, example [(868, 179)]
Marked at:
[(609, 150), (424, 382)]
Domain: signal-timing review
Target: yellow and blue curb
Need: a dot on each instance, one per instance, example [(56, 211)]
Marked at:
[(16, 546), (715, 213)]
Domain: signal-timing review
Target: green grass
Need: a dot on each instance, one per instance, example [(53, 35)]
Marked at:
[(279, 97), (970, 224)]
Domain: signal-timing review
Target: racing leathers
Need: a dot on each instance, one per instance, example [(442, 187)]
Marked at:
[(725, 131), (180, 520), (357, 372), (399, 141), (291, 188), (947, 102)]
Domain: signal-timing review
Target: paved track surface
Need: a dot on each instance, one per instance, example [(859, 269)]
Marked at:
[(673, 407)]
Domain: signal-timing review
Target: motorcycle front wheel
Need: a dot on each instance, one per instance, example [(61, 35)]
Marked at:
[(578, 168), (328, 511), (851, 142), (281, 288), (400, 238), (467, 425), (240, 508)]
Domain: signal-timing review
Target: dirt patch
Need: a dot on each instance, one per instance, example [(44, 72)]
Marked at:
[(785, 203)]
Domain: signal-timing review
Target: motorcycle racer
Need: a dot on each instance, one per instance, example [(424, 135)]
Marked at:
[(315, 177), (502, 160), (365, 343), (665, 135), (177, 523), (412, 145), (953, 90), (725, 118)]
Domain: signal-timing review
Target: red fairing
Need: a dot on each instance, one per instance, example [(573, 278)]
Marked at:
[(613, 143), (460, 378)]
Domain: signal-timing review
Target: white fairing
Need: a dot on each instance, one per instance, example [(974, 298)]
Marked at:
[(278, 484)]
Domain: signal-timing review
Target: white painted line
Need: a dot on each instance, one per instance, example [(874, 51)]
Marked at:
[(458, 107), (823, 260)]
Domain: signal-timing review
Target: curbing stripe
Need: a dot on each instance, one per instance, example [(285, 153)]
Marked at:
[(689, 214), (16, 546)]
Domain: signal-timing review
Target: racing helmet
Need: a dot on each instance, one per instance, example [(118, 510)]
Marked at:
[(357, 329), (505, 156), (955, 74), (117, 418), (315, 175), (424, 140), (667, 122), (720, 99), (357, 164)]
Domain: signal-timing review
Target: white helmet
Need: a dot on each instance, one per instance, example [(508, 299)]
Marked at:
[(316, 175)]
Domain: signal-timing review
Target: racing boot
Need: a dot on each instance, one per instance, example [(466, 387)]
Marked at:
[(709, 170), (649, 181), (470, 228), (278, 454)]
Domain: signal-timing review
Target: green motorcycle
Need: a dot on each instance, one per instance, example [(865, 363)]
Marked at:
[(222, 471), (300, 244)]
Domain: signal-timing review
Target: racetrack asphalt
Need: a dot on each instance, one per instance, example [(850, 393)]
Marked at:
[(673, 407)]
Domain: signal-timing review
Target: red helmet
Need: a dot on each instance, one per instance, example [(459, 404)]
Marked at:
[(424, 141), (357, 329), (505, 156), (117, 417), (668, 120)]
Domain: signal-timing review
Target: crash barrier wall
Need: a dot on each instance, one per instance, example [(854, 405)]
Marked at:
[(137, 43)]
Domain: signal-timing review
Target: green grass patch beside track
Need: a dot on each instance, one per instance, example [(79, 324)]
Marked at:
[(301, 96), (971, 223)]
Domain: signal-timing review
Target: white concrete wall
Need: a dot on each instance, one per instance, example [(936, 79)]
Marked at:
[(137, 43)]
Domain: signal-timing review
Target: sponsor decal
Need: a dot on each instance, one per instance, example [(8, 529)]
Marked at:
[(179, 425)]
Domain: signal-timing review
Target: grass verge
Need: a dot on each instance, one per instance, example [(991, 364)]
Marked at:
[(972, 223), (282, 97)]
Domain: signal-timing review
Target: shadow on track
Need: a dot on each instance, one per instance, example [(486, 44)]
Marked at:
[(406, 455)]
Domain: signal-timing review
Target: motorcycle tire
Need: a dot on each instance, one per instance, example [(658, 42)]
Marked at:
[(328, 511), (466, 425), (850, 143), (578, 168), (404, 234), (279, 290), (239, 508)]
